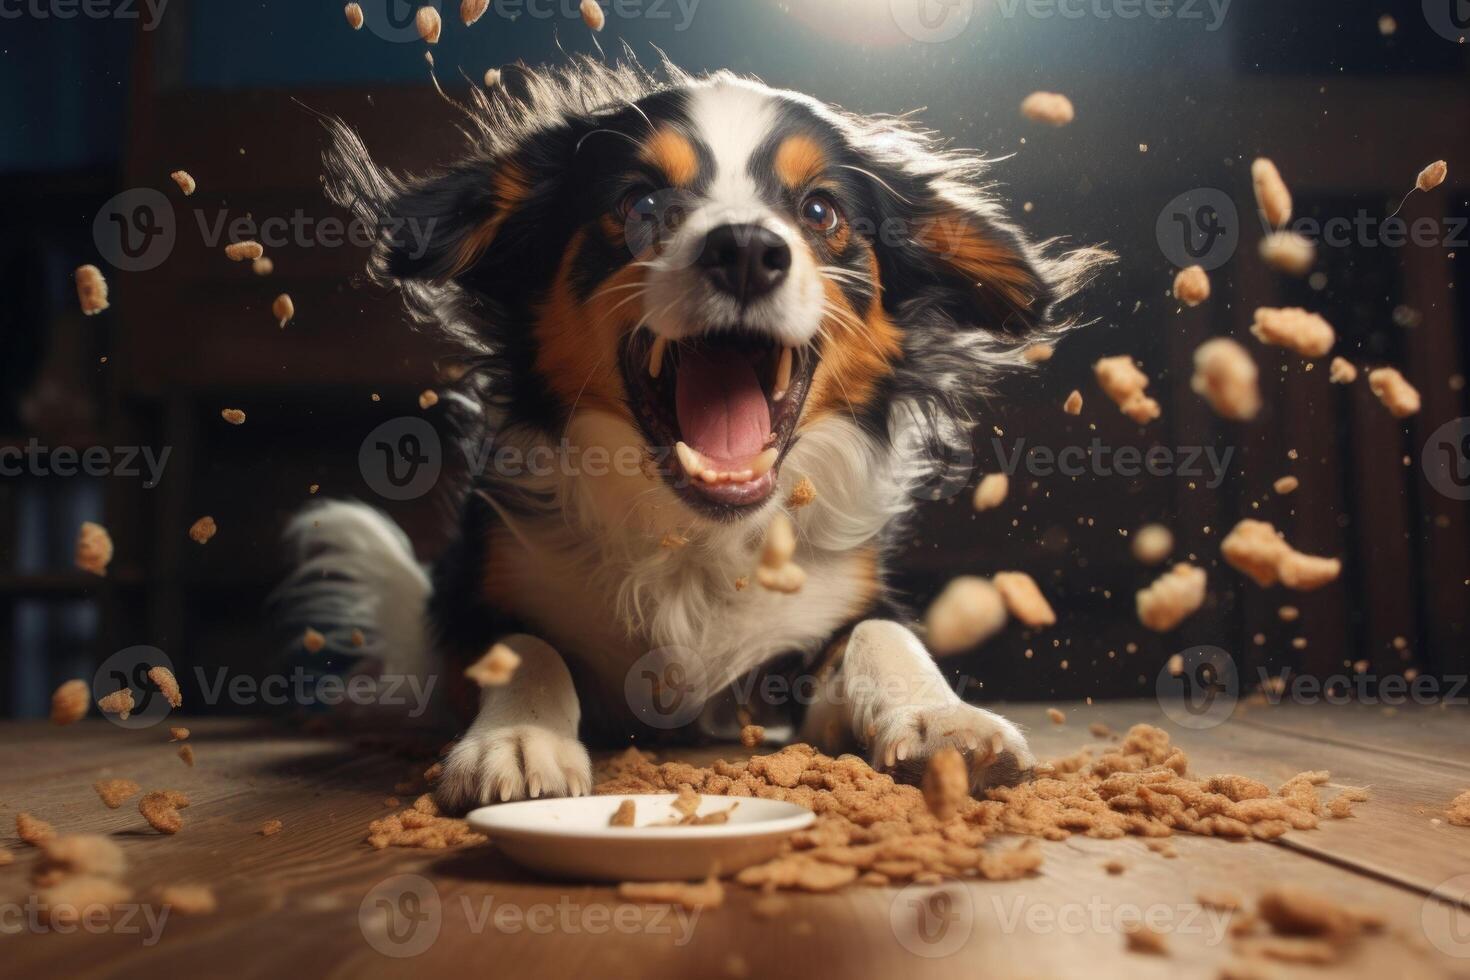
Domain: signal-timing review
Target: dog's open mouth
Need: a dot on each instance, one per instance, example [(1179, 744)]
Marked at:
[(725, 404)]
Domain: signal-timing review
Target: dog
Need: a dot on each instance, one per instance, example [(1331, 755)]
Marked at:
[(700, 302)]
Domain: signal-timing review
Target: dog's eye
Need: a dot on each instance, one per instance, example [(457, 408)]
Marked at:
[(820, 214), (641, 204)]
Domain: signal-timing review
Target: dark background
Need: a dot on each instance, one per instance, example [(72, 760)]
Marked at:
[(230, 91)]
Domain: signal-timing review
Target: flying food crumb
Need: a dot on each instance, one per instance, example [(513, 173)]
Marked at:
[(1272, 195), (1289, 252), (33, 831), (1073, 404), (357, 639), (178, 734), (115, 792), (1255, 549), (968, 612), (1342, 372), (1192, 286), (164, 680), (492, 77), (202, 530), (592, 15), (1432, 176), (1286, 485), (1098, 730), (1226, 377), (1056, 716), (1172, 598), (1152, 544), (946, 783), (1038, 353), (1024, 600), (189, 899), (81, 897), (1459, 811), (354, 16), (234, 416), (161, 809), (708, 894), (1294, 911), (752, 736), (428, 398), (421, 826), (313, 641), (186, 753), (94, 548), (79, 854), (624, 815), (283, 309), (1388, 25), (70, 702), (992, 490), (802, 495), (262, 266), (1051, 108), (243, 251), (270, 828), (428, 23), (472, 10), (119, 702), (185, 181), (91, 289), (777, 571), (1397, 395), (495, 668), (1295, 329), (1124, 383), (1143, 939)]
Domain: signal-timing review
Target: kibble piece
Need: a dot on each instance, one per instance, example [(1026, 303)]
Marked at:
[(428, 398), (263, 266), (991, 492), (968, 612), (164, 680), (752, 736), (1293, 911), (1038, 353), (1271, 193), (1124, 383), (186, 753), (244, 251), (592, 15), (70, 702), (270, 828), (1226, 377), (946, 782), (161, 809), (495, 668), (1056, 716), (178, 734), (1289, 252), (32, 831), (1152, 543), (428, 23), (81, 897), (94, 548), (492, 77), (625, 815), (1192, 286), (234, 416), (1254, 548), (115, 792), (119, 702), (1295, 329), (1432, 176), (85, 854), (1342, 372), (354, 16), (1051, 108), (780, 545), (1286, 485), (1073, 404), (202, 530), (1024, 599), (190, 899), (1141, 938), (709, 894), (802, 495), (1172, 598), (91, 290), (284, 310), (1397, 395), (472, 10), (185, 181)]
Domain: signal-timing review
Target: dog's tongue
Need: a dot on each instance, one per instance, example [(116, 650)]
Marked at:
[(721, 405)]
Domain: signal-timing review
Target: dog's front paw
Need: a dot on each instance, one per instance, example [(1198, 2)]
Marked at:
[(512, 763), (905, 738)]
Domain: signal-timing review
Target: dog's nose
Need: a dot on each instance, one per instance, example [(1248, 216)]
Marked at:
[(745, 261)]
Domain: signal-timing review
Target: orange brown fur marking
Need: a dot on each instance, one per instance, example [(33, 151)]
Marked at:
[(512, 186), (672, 153), (799, 161), (992, 263), (858, 352)]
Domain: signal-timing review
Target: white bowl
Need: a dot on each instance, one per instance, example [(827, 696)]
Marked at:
[(570, 838)]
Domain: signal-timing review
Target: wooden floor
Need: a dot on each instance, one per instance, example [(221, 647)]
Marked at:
[(315, 900)]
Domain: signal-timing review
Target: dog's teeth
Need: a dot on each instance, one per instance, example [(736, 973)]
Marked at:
[(762, 464), (656, 357), (690, 458), (783, 374)]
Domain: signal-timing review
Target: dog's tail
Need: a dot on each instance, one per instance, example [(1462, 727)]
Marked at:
[(356, 581)]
